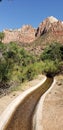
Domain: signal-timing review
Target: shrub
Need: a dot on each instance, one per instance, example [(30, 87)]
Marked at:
[(30, 72), (50, 68), (4, 71), (53, 52), (1, 36)]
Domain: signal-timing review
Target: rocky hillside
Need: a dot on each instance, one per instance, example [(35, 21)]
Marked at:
[(52, 27), (25, 34), (50, 30)]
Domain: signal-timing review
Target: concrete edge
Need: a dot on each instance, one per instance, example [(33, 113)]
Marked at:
[(37, 116), (6, 115)]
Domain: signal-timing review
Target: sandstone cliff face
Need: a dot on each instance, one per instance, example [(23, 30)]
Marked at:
[(49, 31), (50, 24), (26, 34)]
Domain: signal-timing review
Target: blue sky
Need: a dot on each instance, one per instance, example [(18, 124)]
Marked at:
[(15, 13)]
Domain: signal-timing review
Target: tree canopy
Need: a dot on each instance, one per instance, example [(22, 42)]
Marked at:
[(1, 36), (53, 52)]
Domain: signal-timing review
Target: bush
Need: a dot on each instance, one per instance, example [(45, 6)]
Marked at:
[(1, 36), (53, 52), (50, 68), (4, 71), (17, 65), (30, 72), (61, 66)]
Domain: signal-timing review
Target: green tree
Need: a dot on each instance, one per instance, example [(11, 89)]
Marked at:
[(1, 36), (50, 68), (5, 70), (30, 72), (53, 52)]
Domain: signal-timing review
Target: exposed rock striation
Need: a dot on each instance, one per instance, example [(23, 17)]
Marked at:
[(25, 34), (50, 24), (51, 29)]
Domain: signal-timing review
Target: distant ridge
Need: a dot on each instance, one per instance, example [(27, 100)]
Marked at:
[(35, 40), (25, 34)]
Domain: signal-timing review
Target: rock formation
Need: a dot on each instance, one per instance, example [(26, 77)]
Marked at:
[(25, 34), (50, 26)]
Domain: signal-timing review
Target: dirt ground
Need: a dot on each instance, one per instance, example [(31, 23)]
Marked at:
[(6, 100), (53, 107), (53, 104)]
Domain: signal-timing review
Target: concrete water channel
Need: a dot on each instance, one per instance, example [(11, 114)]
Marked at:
[(18, 115)]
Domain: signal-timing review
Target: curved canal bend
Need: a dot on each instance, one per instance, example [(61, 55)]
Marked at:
[(18, 115)]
